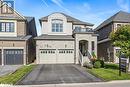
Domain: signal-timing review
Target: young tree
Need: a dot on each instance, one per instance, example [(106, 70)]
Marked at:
[(121, 38)]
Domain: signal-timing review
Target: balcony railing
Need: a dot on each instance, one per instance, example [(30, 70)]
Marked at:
[(83, 30)]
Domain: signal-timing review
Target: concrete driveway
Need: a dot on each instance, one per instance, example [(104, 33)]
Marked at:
[(8, 69), (57, 74)]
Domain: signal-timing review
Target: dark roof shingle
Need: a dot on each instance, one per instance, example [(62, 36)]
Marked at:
[(69, 19), (121, 16), (54, 37), (18, 38)]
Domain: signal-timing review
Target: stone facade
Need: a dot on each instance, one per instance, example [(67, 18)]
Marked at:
[(70, 47)]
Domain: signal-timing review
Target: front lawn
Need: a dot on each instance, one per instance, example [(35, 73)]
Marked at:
[(16, 76), (109, 72)]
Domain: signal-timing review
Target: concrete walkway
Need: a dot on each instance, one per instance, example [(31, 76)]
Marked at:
[(8, 69), (58, 74)]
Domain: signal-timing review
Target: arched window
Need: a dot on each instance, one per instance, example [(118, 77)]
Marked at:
[(57, 25)]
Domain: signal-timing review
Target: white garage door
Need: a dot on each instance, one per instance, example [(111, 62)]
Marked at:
[(47, 56), (65, 56), (56, 56)]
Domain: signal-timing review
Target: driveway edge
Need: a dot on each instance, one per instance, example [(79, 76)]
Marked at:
[(17, 83)]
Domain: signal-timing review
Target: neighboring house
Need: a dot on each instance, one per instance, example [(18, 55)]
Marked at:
[(64, 39), (16, 37), (106, 50)]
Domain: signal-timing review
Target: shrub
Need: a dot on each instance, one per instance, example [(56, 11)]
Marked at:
[(88, 65), (101, 62), (111, 66), (97, 64)]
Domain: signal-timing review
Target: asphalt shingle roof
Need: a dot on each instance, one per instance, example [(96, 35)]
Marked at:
[(69, 19), (18, 38), (54, 37), (121, 16)]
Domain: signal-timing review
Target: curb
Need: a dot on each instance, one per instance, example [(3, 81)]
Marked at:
[(17, 83), (75, 84)]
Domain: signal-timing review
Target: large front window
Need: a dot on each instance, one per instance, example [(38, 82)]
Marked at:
[(6, 26), (57, 25)]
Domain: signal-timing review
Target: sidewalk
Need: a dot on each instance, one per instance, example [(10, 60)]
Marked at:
[(99, 84)]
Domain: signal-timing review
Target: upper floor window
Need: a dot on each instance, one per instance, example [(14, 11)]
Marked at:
[(118, 25), (6, 26), (57, 25)]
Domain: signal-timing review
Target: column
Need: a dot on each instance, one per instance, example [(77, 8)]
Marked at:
[(2, 53), (76, 51), (96, 47), (90, 47)]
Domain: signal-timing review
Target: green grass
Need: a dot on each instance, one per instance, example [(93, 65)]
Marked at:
[(16, 76), (109, 72)]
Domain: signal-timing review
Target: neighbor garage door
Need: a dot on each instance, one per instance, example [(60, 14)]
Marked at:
[(56, 56), (13, 56)]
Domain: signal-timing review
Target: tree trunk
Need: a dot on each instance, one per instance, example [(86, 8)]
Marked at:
[(129, 65)]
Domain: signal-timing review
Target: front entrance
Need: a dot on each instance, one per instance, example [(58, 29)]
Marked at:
[(13, 56), (83, 47), (56, 56)]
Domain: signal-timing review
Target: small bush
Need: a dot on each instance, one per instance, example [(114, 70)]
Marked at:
[(88, 65), (97, 64), (111, 66), (101, 62)]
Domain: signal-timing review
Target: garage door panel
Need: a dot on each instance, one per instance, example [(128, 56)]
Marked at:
[(65, 56), (19, 56), (8, 57), (13, 56), (47, 56)]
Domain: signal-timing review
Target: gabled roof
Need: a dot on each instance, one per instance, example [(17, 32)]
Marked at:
[(17, 15), (121, 16), (29, 18), (69, 19)]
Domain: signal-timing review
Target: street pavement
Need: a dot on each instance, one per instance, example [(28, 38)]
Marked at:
[(99, 84)]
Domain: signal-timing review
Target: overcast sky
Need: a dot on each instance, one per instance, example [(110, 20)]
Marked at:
[(93, 11)]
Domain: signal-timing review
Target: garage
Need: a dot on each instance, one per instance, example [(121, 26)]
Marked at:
[(56, 56), (13, 56)]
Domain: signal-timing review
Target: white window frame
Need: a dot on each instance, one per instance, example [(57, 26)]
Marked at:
[(57, 25), (9, 34)]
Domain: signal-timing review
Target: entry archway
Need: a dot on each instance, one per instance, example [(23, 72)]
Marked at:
[(83, 47)]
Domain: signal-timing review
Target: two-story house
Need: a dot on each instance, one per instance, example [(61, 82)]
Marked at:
[(106, 50), (16, 37), (64, 39)]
